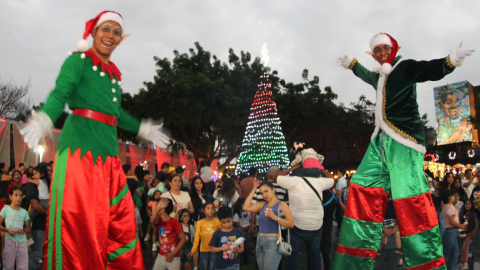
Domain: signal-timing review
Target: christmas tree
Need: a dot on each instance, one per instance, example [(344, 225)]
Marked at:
[(264, 144)]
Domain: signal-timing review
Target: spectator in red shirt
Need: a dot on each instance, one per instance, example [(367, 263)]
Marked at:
[(246, 184), (17, 181), (171, 236)]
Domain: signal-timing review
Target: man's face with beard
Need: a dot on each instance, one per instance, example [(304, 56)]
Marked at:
[(449, 107)]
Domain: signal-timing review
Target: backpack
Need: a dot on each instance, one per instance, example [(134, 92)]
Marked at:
[(223, 201)]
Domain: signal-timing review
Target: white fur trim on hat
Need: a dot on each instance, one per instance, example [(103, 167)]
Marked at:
[(111, 16), (379, 39)]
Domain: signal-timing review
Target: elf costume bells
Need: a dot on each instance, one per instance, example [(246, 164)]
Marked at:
[(393, 163)]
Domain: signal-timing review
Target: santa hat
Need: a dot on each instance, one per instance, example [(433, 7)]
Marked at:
[(385, 39), (83, 45)]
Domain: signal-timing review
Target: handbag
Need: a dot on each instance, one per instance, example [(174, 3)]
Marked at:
[(284, 248)]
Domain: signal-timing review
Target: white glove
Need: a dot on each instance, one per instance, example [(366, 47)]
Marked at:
[(237, 242), (38, 124), (457, 56), (345, 61), (154, 133)]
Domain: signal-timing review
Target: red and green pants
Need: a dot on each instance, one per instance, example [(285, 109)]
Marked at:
[(389, 166), (91, 219)]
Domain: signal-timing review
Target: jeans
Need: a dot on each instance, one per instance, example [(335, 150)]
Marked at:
[(312, 239), (441, 223), (36, 249), (268, 257), (207, 260), (231, 267), (450, 248), (473, 245)]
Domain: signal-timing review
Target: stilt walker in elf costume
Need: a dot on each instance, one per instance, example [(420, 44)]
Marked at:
[(394, 163), (91, 218)]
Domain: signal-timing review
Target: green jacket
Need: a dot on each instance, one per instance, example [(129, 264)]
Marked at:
[(80, 85), (396, 110)]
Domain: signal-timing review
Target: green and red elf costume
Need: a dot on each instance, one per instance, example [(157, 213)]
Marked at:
[(91, 219), (394, 163)]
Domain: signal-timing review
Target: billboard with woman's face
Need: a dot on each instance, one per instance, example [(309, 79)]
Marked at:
[(452, 108)]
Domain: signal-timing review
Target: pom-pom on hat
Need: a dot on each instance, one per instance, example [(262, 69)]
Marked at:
[(83, 45), (385, 39)]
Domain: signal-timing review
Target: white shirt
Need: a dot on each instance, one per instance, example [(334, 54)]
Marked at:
[(470, 188), (43, 190), (232, 201), (181, 200), (342, 183), (307, 210)]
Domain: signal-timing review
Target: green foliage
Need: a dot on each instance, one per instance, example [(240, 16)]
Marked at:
[(206, 103), (430, 132), (203, 101)]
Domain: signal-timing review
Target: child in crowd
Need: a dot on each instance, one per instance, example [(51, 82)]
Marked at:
[(41, 179), (16, 218), (171, 236), (204, 232), (243, 220), (226, 257), (189, 231), (458, 204), (152, 204), (310, 160), (468, 217), (152, 190)]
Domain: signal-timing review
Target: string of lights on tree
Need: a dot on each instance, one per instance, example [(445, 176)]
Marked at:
[(264, 144)]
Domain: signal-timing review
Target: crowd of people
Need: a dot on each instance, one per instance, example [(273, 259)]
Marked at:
[(457, 201), (219, 223)]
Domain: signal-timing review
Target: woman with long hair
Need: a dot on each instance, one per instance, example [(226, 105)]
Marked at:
[(138, 175), (199, 196), (447, 182), (269, 222), (227, 195)]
